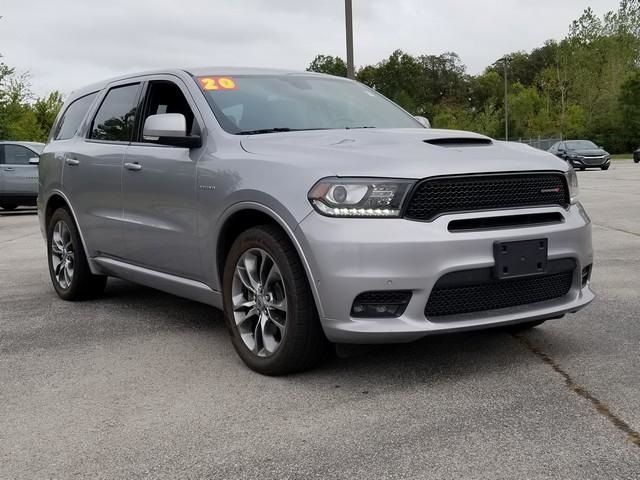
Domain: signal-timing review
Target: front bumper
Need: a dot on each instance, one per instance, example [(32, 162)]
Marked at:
[(351, 256), (581, 162)]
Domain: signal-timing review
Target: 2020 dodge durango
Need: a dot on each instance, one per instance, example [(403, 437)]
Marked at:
[(310, 208)]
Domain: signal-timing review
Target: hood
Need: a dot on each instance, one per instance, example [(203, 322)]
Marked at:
[(400, 153), (589, 152)]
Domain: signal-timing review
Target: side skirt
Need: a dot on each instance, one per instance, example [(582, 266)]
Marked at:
[(179, 286)]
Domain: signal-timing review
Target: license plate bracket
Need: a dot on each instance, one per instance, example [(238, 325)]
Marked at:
[(519, 259)]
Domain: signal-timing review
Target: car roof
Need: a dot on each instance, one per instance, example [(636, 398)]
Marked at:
[(30, 145), (196, 72)]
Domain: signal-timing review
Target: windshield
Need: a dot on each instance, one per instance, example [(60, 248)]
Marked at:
[(580, 145), (248, 104)]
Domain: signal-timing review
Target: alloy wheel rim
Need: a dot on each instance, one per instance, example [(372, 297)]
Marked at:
[(259, 302), (62, 255)]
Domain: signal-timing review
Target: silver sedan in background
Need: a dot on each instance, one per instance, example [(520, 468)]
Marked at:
[(19, 174)]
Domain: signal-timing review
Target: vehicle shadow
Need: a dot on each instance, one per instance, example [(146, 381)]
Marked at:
[(445, 357)]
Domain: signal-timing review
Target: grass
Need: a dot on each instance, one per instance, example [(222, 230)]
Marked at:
[(622, 156)]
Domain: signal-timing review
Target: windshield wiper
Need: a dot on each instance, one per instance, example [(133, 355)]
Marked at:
[(266, 130), (287, 129), (276, 130)]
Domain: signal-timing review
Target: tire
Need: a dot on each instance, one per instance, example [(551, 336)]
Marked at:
[(605, 168), (582, 169), (9, 207), (293, 341), (636, 159), (78, 283)]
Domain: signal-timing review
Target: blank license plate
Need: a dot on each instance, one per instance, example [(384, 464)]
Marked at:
[(520, 259)]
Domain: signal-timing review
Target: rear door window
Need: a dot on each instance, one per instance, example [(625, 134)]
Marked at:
[(73, 116), (115, 119)]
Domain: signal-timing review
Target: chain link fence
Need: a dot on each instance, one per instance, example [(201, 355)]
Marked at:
[(540, 143)]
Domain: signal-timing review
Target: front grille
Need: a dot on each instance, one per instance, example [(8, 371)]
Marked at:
[(495, 294), (593, 160), (436, 196)]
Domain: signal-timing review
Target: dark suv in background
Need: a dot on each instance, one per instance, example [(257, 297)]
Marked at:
[(582, 154)]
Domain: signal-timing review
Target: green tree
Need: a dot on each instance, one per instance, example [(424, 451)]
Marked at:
[(329, 65), (22, 118), (630, 106), (46, 110)]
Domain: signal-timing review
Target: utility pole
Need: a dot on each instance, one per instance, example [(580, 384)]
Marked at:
[(349, 24), (505, 59)]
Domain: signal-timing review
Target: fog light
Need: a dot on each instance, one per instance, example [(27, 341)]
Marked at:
[(381, 304)]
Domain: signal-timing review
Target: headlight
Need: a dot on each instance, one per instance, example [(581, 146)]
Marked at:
[(572, 181), (359, 197)]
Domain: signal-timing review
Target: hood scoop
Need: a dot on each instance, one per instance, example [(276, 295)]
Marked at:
[(456, 142)]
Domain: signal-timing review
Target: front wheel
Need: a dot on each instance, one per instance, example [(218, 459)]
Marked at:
[(70, 274), (605, 168), (9, 207), (269, 308)]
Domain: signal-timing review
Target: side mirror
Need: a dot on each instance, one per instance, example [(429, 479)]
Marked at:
[(423, 121), (34, 161), (169, 129)]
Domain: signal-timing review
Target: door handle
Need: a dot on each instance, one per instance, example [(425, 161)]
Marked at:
[(72, 162), (9, 169), (134, 167)]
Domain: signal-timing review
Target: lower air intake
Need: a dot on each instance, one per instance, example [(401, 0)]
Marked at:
[(491, 294)]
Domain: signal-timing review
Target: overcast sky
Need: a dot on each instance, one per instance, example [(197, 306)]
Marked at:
[(65, 44)]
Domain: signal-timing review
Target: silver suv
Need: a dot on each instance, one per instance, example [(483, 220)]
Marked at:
[(310, 208)]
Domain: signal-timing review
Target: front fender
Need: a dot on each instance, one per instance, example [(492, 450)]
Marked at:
[(278, 213)]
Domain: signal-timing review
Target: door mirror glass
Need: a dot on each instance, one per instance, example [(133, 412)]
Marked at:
[(34, 160), (423, 121)]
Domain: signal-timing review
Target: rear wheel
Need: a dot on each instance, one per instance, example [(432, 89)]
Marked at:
[(70, 274), (269, 307)]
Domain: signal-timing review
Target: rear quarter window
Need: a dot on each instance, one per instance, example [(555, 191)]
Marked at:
[(73, 116)]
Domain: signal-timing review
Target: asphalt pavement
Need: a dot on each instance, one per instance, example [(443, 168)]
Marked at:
[(142, 384)]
